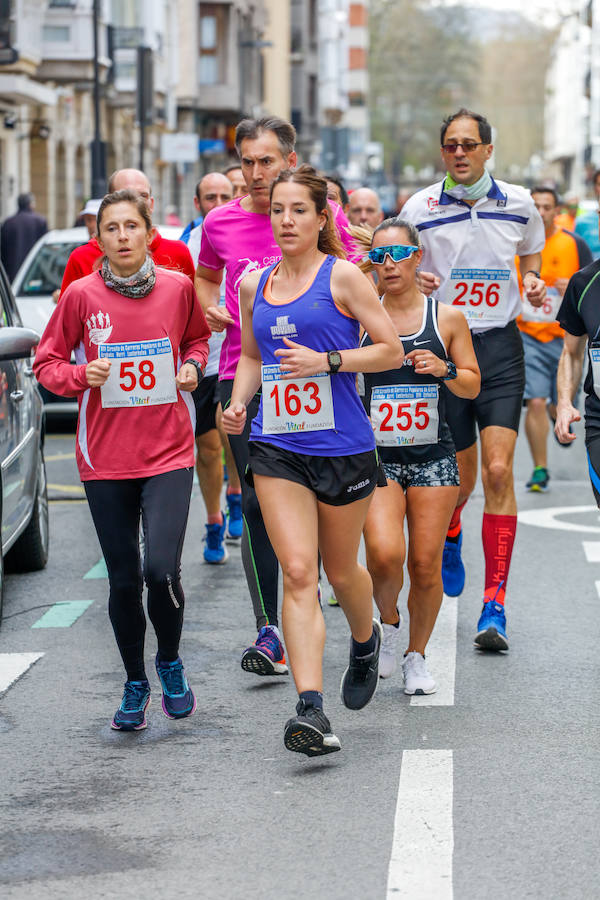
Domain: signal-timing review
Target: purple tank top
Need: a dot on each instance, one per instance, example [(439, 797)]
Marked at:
[(313, 320)]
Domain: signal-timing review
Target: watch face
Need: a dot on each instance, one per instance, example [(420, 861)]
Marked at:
[(335, 358)]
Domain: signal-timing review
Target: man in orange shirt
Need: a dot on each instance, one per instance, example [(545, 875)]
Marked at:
[(564, 254)]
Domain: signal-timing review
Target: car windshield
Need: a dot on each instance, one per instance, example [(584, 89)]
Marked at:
[(45, 273)]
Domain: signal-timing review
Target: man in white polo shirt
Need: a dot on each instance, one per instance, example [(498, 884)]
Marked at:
[(472, 227)]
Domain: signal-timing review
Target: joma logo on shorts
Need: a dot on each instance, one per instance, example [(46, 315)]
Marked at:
[(357, 487)]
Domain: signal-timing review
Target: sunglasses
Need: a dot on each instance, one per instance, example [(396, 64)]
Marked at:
[(467, 146), (396, 252)]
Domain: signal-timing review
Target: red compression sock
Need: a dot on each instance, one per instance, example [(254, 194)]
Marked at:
[(498, 536), (455, 526)]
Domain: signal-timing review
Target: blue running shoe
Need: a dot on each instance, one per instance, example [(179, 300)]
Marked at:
[(491, 628), (215, 552), (178, 699), (131, 715), (235, 521), (266, 656), (453, 571)]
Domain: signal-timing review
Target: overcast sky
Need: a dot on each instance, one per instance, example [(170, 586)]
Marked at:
[(551, 10)]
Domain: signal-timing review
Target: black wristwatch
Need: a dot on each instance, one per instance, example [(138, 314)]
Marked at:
[(196, 365), (532, 272), (334, 358), (451, 374)]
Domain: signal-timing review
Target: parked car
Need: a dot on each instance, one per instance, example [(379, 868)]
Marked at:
[(41, 274), (23, 489)]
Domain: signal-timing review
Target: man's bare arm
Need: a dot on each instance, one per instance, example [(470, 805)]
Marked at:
[(570, 367), (208, 288)]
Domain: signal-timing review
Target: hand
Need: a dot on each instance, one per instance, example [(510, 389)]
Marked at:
[(97, 371), (427, 363), (427, 282), (298, 361), (561, 285), (535, 289), (565, 415), (234, 418), (218, 318), (56, 295), (187, 378)]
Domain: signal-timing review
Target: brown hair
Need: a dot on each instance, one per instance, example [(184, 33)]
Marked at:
[(126, 197), (329, 239)]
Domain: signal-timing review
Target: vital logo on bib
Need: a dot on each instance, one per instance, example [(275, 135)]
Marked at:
[(99, 327), (283, 328)]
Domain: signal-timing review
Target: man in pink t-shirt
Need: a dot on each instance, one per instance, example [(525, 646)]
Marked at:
[(238, 239)]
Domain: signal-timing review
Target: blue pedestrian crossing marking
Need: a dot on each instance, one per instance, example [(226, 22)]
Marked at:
[(98, 571), (62, 614)]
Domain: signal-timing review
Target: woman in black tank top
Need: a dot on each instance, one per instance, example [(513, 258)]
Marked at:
[(406, 406)]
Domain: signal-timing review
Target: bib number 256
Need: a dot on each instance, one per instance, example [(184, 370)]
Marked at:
[(475, 293)]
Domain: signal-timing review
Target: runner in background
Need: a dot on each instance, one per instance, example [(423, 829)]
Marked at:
[(407, 410), (236, 177), (471, 228), (311, 442), (211, 441), (237, 239), (564, 254), (140, 342), (579, 315)]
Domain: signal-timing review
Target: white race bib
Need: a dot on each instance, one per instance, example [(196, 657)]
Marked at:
[(404, 414), (301, 404), (481, 294), (595, 363), (141, 373), (547, 312)]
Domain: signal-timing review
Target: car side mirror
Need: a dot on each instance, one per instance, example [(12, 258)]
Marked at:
[(17, 343)]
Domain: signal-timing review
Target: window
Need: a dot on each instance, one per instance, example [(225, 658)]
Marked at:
[(56, 34), (212, 43), (45, 273)]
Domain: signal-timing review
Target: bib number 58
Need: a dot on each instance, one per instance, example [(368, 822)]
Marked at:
[(144, 376), (477, 294)]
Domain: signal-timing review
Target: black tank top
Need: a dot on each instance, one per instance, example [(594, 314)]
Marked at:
[(407, 410)]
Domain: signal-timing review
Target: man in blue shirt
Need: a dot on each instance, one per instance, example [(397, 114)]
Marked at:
[(586, 225)]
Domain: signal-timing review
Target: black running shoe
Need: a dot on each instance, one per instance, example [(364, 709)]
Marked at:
[(359, 681), (309, 732)]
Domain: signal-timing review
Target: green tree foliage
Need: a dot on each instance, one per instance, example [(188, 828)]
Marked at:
[(424, 63)]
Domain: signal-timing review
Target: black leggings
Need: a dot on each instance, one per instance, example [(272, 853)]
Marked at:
[(260, 563), (163, 501)]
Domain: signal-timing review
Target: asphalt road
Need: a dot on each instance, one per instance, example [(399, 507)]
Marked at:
[(492, 794)]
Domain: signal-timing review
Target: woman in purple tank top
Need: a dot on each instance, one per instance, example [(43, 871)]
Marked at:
[(312, 451)]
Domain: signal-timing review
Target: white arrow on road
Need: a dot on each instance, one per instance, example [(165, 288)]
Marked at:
[(13, 665), (547, 518)]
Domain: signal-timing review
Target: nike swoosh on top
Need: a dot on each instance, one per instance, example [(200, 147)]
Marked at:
[(418, 343)]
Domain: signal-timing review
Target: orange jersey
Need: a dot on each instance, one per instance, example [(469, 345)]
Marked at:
[(564, 254)]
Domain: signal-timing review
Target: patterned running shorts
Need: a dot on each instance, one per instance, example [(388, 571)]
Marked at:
[(436, 473)]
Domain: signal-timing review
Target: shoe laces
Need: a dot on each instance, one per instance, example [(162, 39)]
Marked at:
[(172, 678), (213, 536), (134, 695), (268, 640)]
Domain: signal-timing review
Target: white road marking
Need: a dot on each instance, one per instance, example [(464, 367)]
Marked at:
[(546, 518), (592, 551), (423, 842), (598, 588), (441, 657), (13, 665)]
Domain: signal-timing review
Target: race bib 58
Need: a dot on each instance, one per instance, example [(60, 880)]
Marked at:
[(141, 373)]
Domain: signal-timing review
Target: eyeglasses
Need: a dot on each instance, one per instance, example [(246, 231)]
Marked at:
[(396, 252), (467, 146)]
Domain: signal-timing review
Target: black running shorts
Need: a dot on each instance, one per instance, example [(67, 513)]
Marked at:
[(592, 443), (336, 480), (499, 353), (206, 402)]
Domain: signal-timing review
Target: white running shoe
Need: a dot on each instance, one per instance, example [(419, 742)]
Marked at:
[(417, 679), (388, 655)]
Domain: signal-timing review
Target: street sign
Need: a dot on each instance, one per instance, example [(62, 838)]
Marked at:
[(211, 146), (180, 147)]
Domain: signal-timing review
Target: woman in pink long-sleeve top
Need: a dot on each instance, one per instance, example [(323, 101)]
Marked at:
[(140, 341)]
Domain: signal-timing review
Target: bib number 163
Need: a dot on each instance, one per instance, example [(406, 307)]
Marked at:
[(304, 404), (293, 400)]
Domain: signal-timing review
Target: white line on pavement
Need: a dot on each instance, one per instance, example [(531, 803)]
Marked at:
[(546, 518), (441, 657), (592, 551), (13, 665), (598, 588), (423, 843)]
